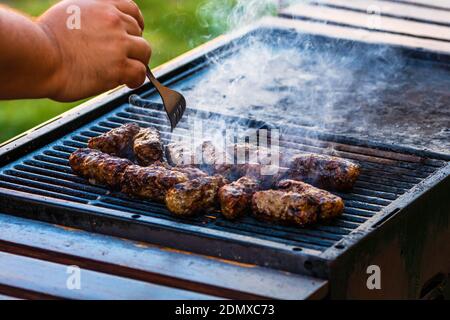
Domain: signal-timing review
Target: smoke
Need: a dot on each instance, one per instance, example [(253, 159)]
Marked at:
[(220, 15), (348, 88), (269, 77)]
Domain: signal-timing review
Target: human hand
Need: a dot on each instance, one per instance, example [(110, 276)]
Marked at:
[(106, 51)]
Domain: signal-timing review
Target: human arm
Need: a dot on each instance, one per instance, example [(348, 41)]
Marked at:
[(44, 58)]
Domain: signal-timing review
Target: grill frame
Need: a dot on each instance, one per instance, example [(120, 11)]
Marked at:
[(261, 252)]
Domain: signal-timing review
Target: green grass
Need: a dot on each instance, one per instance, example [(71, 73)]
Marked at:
[(172, 27)]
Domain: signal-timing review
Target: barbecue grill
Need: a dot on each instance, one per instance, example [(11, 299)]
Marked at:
[(398, 208)]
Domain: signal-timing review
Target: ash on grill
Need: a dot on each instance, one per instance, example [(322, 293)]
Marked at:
[(188, 188)]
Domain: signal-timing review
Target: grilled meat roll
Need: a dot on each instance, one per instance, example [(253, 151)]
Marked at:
[(215, 161), (178, 154), (255, 154), (330, 205), (256, 171), (324, 171), (194, 196), (236, 198), (98, 167), (191, 171), (233, 172), (249, 152), (284, 207), (205, 156), (248, 160), (210, 154), (117, 142), (150, 182), (148, 146)]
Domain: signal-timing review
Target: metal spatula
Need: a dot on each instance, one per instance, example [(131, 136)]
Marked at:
[(174, 102)]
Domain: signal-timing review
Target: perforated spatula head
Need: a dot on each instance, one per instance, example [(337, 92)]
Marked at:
[(173, 101)]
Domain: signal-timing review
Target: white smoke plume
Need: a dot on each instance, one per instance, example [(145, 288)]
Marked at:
[(219, 15)]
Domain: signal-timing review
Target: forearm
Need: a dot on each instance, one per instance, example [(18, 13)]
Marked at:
[(44, 58), (28, 58)]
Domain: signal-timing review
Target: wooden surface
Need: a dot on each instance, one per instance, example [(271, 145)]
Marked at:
[(356, 34), (362, 20), (49, 280), (401, 10), (435, 4), (3, 298), (60, 246)]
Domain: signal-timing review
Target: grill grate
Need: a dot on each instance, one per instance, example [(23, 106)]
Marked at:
[(385, 176)]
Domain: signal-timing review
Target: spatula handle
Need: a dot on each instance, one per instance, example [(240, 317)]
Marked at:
[(150, 74), (153, 79)]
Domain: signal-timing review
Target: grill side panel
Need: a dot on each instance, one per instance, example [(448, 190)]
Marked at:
[(410, 253)]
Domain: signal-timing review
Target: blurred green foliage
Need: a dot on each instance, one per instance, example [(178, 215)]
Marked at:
[(172, 27)]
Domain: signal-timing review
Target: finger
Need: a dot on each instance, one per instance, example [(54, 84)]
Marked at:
[(131, 25), (139, 49), (131, 8), (134, 74)]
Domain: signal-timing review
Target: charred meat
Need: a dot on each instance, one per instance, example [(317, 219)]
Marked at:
[(233, 172), (194, 196), (250, 153), (249, 160), (232, 164), (98, 167), (178, 154), (148, 146), (151, 183), (265, 177), (284, 207), (132, 142), (330, 205), (236, 198), (191, 171), (230, 171), (117, 142), (199, 180), (210, 154), (296, 202), (324, 171), (205, 156)]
